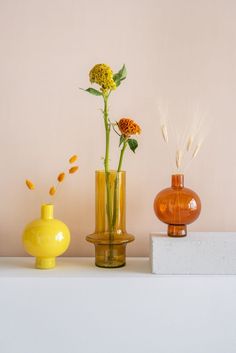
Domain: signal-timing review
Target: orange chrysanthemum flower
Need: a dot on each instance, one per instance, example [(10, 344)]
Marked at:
[(128, 127), (73, 169), (61, 177), (29, 184), (73, 159), (52, 191)]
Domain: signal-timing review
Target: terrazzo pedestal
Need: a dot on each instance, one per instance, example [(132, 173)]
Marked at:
[(207, 253)]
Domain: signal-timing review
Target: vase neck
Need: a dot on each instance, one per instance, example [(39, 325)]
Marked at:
[(47, 211), (177, 181)]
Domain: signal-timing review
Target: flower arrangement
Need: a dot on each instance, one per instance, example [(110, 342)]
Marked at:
[(178, 206), (47, 237), (126, 128), (60, 177)]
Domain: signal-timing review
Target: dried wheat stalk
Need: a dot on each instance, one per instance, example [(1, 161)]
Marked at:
[(178, 158), (189, 143), (195, 152), (164, 133)]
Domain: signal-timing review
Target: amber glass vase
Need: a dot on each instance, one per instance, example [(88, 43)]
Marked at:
[(110, 237), (177, 206)]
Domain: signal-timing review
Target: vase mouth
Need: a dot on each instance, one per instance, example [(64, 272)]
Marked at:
[(47, 211)]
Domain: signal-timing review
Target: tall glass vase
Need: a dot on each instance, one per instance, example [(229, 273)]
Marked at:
[(110, 237)]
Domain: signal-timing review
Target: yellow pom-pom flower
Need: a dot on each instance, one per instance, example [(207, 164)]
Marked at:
[(29, 184), (72, 170), (73, 159), (61, 177), (128, 127), (102, 75), (52, 191)]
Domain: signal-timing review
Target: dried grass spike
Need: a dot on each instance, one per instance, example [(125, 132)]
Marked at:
[(52, 191), (29, 184), (164, 133), (196, 150), (73, 159), (189, 143), (73, 170), (178, 158), (61, 177)]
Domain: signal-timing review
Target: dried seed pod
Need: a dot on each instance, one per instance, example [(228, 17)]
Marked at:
[(73, 159), (178, 158), (73, 169), (61, 177), (29, 184), (52, 191)]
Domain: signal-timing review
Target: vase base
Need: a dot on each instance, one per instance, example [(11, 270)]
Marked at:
[(110, 256), (45, 263), (110, 253), (177, 230), (110, 265)]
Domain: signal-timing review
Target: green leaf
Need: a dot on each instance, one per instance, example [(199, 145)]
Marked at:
[(120, 75), (92, 91), (122, 140), (133, 144)]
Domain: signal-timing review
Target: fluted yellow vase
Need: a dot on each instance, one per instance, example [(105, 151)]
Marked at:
[(46, 238)]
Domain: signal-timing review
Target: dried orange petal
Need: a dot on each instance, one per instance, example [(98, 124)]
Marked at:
[(52, 191), (61, 177), (29, 184), (73, 159), (73, 169)]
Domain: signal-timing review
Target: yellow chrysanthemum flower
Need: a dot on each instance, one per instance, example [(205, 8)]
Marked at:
[(102, 75), (128, 127)]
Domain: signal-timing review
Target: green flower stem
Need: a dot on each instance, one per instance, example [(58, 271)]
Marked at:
[(107, 168), (122, 156), (115, 202), (107, 128)]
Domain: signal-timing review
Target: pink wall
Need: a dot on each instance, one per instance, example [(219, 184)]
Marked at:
[(182, 51)]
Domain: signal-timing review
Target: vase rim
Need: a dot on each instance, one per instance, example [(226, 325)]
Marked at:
[(113, 171)]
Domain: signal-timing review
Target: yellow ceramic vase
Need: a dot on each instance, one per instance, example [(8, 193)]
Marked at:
[(46, 238)]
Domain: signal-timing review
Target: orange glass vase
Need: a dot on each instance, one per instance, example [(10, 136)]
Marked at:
[(177, 206)]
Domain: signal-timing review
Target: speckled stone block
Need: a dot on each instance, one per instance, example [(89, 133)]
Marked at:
[(212, 253)]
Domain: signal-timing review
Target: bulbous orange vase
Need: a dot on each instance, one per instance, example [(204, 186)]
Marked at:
[(177, 206)]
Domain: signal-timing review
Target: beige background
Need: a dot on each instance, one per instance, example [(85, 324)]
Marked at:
[(182, 52)]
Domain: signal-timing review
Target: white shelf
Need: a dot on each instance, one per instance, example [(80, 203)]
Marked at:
[(75, 267), (80, 308)]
